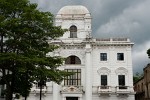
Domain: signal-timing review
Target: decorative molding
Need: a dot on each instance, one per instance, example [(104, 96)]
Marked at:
[(72, 89), (104, 71), (121, 71), (73, 52), (88, 50), (72, 46)]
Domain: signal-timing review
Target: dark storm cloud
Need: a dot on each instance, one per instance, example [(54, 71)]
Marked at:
[(114, 18)]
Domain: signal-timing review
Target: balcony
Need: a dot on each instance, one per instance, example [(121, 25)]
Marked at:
[(72, 89), (123, 90), (104, 90)]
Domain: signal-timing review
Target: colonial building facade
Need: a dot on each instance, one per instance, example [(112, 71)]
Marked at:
[(103, 67)]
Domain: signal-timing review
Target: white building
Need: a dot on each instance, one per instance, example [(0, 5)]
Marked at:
[(103, 66)]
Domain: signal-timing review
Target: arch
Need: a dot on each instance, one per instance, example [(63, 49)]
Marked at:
[(121, 71), (73, 31), (103, 71), (72, 60), (104, 77)]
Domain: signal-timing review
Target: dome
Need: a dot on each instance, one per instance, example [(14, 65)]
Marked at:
[(73, 9)]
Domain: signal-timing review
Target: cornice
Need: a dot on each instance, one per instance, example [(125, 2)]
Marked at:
[(92, 41)]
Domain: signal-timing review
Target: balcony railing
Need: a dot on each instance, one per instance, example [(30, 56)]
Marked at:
[(122, 90), (104, 90), (72, 89)]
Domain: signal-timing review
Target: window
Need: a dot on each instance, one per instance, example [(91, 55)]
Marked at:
[(104, 80), (71, 98), (72, 60), (121, 79), (73, 79), (73, 31), (103, 56), (120, 56)]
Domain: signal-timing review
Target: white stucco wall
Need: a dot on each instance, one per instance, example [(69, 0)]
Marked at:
[(79, 47)]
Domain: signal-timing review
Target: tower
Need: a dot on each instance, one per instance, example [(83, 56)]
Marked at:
[(76, 19)]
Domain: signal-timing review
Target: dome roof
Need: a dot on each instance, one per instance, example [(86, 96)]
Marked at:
[(73, 9)]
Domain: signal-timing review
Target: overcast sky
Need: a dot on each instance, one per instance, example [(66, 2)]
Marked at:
[(115, 18)]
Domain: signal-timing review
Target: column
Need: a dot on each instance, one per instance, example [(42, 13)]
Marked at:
[(88, 73), (55, 91)]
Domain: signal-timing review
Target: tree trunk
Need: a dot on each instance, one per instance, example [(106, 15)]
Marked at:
[(8, 93), (40, 89), (1, 43), (10, 88), (26, 98)]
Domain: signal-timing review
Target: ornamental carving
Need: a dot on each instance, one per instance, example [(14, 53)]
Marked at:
[(72, 89), (104, 71), (121, 71)]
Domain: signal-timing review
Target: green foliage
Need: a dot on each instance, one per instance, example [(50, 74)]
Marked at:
[(137, 77), (24, 34), (148, 52)]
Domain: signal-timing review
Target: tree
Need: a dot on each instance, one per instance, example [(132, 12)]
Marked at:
[(137, 77), (146, 76), (24, 35), (148, 53)]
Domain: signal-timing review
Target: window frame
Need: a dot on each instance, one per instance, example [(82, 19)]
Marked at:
[(73, 31), (121, 80), (75, 79), (120, 56), (122, 83), (103, 56), (104, 80)]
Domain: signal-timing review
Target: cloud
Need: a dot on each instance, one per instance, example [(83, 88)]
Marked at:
[(54, 6), (114, 18), (133, 22), (140, 57)]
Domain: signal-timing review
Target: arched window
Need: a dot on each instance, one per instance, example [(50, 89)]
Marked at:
[(72, 60), (73, 31)]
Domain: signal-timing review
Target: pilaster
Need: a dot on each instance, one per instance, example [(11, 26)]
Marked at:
[(56, 91), (88, 73)]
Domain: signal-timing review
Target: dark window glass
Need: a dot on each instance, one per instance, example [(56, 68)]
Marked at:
[(120, 56), (72, 60), (103, 56), (103, 79), (73, 79), (71, 98), (121, 79), (73, 31)]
